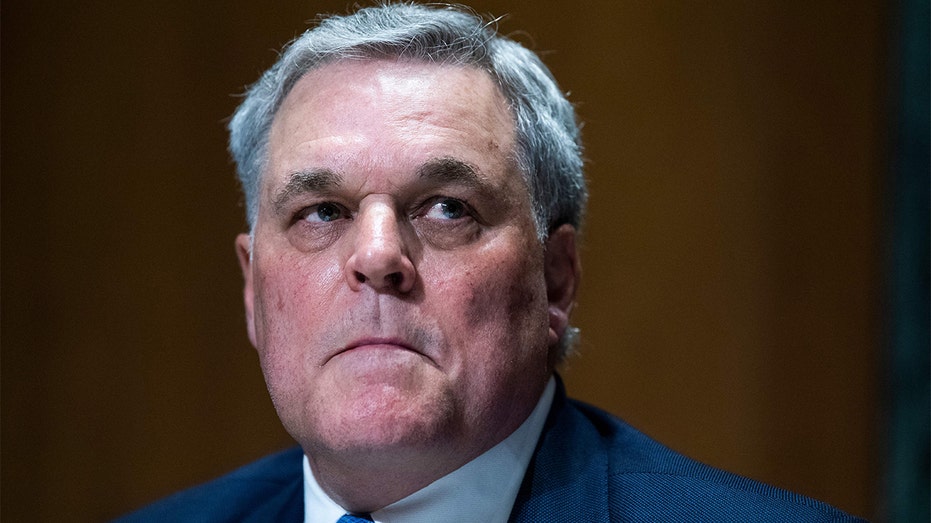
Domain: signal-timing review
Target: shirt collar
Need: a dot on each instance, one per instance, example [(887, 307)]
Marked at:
[(483, 489)]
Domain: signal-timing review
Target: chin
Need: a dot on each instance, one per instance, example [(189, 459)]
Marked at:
[(377, 419)]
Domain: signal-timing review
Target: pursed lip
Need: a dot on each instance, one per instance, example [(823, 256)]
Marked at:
[(376, 341)]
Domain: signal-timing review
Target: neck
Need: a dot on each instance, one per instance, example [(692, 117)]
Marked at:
[(368, 480), (365, 479)]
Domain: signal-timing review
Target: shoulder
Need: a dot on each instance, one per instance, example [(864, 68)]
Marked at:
[(646, 480), (592, 466), (269, 489)]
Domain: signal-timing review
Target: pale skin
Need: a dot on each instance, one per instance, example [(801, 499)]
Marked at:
[(405, 313)]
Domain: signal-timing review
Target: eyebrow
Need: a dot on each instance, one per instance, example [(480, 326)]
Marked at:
[(301, 182), (445, 170), (448, 170)]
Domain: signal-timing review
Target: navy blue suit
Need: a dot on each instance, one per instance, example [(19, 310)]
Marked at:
[(589, 466)]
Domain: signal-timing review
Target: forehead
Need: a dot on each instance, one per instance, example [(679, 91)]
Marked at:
[(362, 115)]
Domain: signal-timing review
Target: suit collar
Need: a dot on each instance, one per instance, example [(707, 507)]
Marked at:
[(567, 478)]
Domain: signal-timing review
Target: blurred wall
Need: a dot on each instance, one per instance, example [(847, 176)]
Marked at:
[(729, 297)]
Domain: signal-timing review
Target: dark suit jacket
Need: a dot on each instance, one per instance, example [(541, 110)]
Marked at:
[(589, 466)]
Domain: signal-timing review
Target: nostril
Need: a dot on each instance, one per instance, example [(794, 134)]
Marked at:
[(385, 270)]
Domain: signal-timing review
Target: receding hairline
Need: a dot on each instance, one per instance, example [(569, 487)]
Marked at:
[(547, 152), (465, 172)]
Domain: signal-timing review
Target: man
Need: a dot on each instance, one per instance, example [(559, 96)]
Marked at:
[(414, 189)]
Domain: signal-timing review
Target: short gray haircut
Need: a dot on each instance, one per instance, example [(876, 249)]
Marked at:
[(548, 150)]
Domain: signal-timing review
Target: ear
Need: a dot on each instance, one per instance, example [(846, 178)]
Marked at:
[(244, 253), (562, 271)]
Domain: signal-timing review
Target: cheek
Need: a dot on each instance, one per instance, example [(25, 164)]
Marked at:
[(292, 311), (505, 300), (495, 324), (293, 298)]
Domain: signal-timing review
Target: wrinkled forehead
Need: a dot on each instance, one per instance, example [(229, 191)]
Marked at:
[(417, 84), (397, 106)]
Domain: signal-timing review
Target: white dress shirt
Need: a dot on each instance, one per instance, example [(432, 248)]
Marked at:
[(483, 489)]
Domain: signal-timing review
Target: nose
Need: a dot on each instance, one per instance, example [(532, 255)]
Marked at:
[(379, 257)]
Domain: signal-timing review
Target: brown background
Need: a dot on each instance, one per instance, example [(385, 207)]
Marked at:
[(729, 300)]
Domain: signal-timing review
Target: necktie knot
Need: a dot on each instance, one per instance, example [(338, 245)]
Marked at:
[(355, 518)]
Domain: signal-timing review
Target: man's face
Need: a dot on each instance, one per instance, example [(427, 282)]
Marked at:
[(396, 291)]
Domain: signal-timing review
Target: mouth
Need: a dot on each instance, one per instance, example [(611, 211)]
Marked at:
[(376, 344)]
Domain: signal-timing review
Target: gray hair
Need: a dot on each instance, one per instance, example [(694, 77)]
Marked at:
[(548, 150)]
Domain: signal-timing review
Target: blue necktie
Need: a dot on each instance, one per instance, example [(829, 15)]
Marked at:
[(355, 518)]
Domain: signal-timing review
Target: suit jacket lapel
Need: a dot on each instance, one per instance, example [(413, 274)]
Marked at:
[(286, 505), (567, 477)]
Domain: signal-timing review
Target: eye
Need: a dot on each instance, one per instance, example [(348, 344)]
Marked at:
[(323, 212), (447, 209)]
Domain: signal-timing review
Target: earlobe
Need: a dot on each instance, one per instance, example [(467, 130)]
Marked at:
[(244, 254), (562, 271)]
